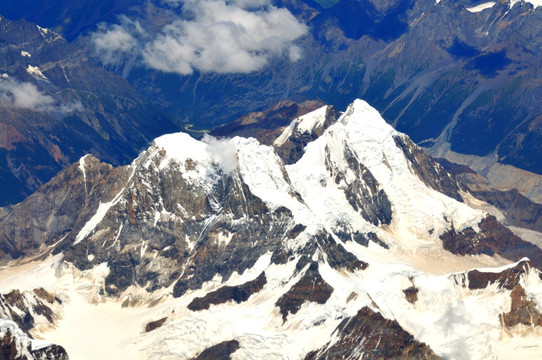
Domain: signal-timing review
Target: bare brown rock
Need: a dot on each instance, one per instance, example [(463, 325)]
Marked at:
[(220, 351), (311, 288), (523, 310), (493, 238), (238, 294), (507, 279), (153, 325), (267, 125), (368, 335), (411, 294)]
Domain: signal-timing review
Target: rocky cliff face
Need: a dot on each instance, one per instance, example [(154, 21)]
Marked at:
[(363, 246)]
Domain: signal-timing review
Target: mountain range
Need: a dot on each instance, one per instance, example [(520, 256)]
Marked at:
[(353, 244), (289, 219)]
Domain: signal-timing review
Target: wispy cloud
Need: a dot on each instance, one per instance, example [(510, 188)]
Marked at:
[(237, 36), (115, 43), (26, 95), (223, 151)]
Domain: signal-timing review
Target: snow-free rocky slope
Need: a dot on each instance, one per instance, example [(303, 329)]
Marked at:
[(342, 240), (56, 106)]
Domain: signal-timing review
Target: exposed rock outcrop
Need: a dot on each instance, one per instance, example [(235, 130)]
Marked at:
[(523, 310), (411, 294), (220, 351), (507, 279), (153, 325), (311, 287), (369, 335), (16, 345), (493, 238), (238, 294)]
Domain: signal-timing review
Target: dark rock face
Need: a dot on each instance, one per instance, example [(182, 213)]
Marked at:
[(238, 294), (369, 335), (70, 198), (493, 238), (8, 347), (507, 279), (55, 352), (311, 288), (22, 308), (267, 125), (362, 239), (411, 294), (523, 310), (427, 169), (220, 351), (186, 238), (13, 346), (363, 192), (18, 314), (519, 210), (336, 255), (153, 325)]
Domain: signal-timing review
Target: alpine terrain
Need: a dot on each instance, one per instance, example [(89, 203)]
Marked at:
[(335, 237)]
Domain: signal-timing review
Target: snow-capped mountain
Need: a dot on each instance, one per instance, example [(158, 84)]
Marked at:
[(342, 239)]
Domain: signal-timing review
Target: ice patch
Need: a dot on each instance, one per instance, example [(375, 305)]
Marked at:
[(307, 122), (43, 31), (200, 158), (36, 72), (481, 7), (263, 172)]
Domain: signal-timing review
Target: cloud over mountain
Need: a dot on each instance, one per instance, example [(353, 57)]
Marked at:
[(27, 96), (115, 42), (211, 36)]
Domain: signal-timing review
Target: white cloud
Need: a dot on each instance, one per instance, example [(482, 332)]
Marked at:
[(26, 95), (294, 53), (114, 43), (222, 151), (238, 36)]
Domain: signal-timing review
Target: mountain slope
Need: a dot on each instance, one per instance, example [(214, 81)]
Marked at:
[(56, 107), (217, 247)]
